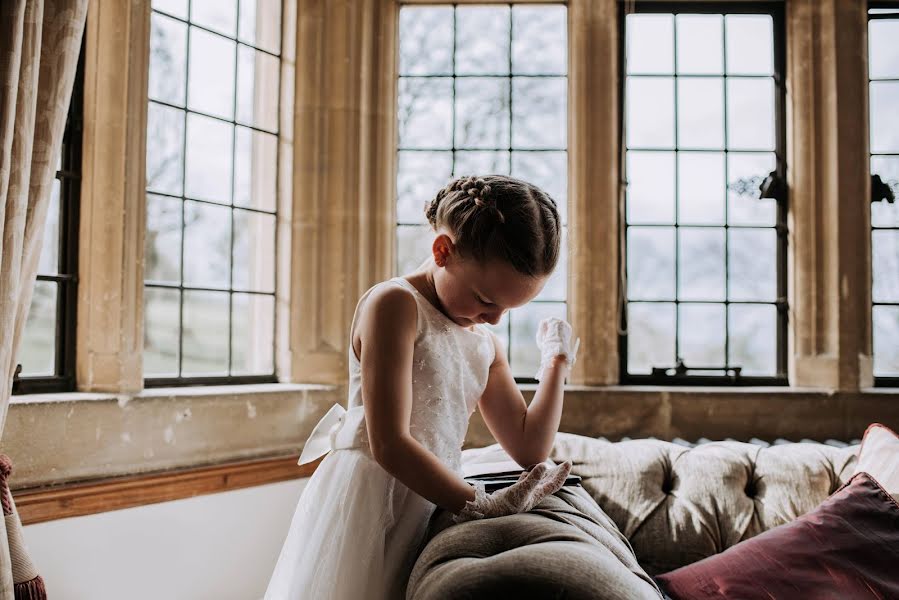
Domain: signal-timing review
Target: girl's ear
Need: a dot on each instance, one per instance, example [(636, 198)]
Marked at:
[(442, 249)]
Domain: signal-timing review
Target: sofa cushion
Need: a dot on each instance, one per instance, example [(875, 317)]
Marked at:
[(566, 547), (677, 505), (879, 457), (848, 547)]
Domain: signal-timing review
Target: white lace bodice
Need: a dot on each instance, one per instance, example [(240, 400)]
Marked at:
[(449, 374)]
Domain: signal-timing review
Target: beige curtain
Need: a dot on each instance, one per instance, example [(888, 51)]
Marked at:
[(39, 45)]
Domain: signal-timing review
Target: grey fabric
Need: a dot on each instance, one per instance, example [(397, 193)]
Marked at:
[(567, 547)]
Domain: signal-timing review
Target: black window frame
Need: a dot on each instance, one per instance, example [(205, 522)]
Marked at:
[(776, 11), (69, 176), (889, 381), (205, 380), (510, 149)]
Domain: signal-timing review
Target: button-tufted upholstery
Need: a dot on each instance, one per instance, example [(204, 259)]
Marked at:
[(674, 504), (677, 505)]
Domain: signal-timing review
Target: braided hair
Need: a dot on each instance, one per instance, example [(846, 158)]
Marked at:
[(499, 217)]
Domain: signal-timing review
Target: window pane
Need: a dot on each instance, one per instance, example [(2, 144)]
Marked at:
[(539, 35), (420, 176), (413, 247), (482, 40), (750, 44), (162, 243), (161, 329), (255, 160), (539, 117), (165, 148), (701, 331), (745, 172), (884, 116), (752, 342), (650, 112), (699, 44), (752, 264), (210, 85), (700, 265), (205, 335), (482, 112), (467, 162), (253, 326), (260, 24), (886, 332), (700, 112), (209, 143), (650, 187), (650, 263), (525, 354), (173, 7), (426, 40), (37, 354), (885, 271), (218, 15), (883, 49), (168, 56), (700, 187), (254, 251), (650, 336), (207, 245), (257, 88), (425, 112), (650, 43), (750, 114), (49, 261)]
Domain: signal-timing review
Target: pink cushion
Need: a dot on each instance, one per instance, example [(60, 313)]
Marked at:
[(848, 547), (879, 457)]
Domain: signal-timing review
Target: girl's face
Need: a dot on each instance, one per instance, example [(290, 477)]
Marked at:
[(472, 292)]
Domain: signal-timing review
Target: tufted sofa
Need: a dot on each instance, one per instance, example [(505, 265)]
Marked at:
[(647, 506)]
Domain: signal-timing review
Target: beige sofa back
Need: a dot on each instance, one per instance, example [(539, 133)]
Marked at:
[(679, 504)]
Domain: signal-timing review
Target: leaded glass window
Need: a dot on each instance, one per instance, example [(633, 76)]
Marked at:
[(483, 89)]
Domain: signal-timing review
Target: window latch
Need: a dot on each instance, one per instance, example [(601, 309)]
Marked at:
[(774, 187), (680, 369), (881, 190)]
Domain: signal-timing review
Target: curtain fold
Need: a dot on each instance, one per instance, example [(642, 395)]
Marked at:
[(39, 45)]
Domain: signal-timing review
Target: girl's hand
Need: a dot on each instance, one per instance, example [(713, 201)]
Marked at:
[(554, 339), (532, 487)]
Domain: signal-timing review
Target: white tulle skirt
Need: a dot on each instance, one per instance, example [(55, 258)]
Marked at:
[(355, 534)]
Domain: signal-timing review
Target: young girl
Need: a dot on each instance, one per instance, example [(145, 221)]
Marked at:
[(420, 361)]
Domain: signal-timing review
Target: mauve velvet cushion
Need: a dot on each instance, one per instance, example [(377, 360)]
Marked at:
[(846, 548)]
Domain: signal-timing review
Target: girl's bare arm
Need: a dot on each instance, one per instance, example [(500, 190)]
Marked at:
[(525, 432)]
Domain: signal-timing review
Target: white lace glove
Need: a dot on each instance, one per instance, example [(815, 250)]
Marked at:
[(532, 487), (554, 339)]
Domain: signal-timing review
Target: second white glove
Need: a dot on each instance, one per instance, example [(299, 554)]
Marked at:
[(554, 339)]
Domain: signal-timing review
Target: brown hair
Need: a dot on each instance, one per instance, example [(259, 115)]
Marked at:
[(499, 217)]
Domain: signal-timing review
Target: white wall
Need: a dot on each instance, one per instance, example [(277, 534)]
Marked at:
[(219, 546)]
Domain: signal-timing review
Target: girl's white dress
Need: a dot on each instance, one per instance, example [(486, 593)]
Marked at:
[(357, 530)]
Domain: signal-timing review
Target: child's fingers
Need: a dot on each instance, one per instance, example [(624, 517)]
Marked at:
[(555, 478)]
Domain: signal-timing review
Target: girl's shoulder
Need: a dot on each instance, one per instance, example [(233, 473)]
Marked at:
[(387, 305)]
